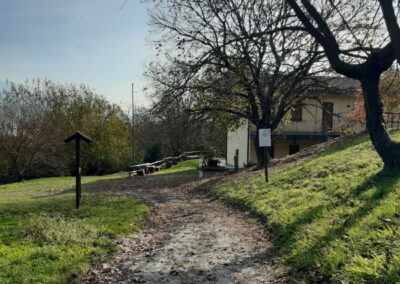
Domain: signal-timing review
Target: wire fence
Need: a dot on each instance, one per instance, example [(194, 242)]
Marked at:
[(392, 120)]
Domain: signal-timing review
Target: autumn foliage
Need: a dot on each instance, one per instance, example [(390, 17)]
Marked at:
[(354, 121)]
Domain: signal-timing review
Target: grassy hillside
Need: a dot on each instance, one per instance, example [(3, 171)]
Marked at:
[(336, 216), (189, 166), (43, 239)]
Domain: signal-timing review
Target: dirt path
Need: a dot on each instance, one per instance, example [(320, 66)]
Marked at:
[(190, 239)]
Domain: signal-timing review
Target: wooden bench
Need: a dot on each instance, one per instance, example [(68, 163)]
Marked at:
[(140, 169), (151, 169)]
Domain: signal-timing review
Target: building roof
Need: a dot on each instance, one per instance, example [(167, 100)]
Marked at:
[(334, 86), (343, 83)]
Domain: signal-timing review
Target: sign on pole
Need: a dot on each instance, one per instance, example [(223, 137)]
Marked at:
[(264, 136), (77, 137)]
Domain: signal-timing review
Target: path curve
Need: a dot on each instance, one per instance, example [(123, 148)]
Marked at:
[(191, 238)]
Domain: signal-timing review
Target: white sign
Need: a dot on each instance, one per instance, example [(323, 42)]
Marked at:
[(264, 137)]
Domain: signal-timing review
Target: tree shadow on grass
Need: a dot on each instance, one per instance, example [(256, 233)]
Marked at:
[(382, 184)]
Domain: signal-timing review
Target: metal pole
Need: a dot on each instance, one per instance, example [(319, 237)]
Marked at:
[(236, 160), (78, 172), (133, 125), (200, 165), (266, 164)]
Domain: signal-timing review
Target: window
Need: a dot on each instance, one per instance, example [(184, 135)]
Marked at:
[(297, 111), (293, 149)]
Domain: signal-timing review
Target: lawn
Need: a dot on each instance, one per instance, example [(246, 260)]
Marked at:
[(43, 239), (335, 217)]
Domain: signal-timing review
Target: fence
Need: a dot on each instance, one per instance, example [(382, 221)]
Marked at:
[(392, 120)]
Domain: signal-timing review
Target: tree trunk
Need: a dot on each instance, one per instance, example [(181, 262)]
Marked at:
[(388, 150)]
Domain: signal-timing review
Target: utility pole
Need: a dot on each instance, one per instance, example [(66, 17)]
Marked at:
[(133, 125)]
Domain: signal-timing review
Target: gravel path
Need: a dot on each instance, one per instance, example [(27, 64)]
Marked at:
[(190, 238)]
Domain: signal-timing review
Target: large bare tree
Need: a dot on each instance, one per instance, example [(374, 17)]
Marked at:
[(372, 45), (248, 58)]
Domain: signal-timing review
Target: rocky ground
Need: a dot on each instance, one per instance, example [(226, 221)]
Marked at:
[(191, 238)]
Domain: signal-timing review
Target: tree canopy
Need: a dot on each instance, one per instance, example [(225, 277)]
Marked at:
[(249, 59), (37, 116)]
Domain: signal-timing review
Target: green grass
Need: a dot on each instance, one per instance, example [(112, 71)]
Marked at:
[(43, 239), (189, 166), (336, 216)]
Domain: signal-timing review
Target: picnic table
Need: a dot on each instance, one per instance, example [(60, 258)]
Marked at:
[(146, 168), (149, 168), (140, 169), (156, 166)]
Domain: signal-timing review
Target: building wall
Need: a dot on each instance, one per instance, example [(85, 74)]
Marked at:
[(281, 148), (311, 123), (252, 152), (312, 115), (238, 139)]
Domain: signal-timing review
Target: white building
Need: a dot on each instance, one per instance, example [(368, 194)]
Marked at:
[(312, 121)]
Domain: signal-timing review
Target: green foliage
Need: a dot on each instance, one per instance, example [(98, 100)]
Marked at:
[(152, 154), (208, 151), (177, 130), (335, 216), (43, 239), (36, 117)]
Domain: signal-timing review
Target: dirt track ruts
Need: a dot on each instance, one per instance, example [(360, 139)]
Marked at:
[(190, 238)]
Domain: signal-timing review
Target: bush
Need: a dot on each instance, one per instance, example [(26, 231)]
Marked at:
[(152, 154), (36, 117)]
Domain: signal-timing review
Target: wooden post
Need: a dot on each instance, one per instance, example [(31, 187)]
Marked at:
[(236, 160), (78, 172), (77, 136)]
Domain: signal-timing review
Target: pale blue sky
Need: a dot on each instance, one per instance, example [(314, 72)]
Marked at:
[(76, 41)]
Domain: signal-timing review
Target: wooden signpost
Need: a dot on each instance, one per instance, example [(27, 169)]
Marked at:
[(264, 140), (77, 136)]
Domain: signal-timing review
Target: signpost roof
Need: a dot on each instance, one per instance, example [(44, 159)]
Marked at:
[(78, 135)]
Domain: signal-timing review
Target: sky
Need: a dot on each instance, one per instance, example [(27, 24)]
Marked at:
[(94, 42)]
